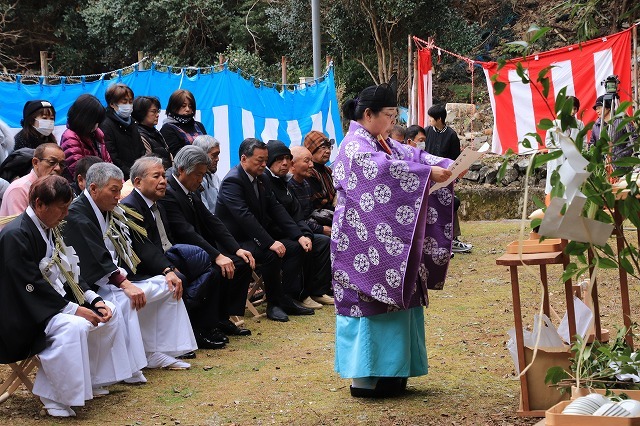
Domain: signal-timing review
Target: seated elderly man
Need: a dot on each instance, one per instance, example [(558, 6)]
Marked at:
[(251, 212), (156, 318), (321, 179), (191, 223), (201, 281), (301, 169), (317, 266), (48, 159), (210, 181), (46, 308)]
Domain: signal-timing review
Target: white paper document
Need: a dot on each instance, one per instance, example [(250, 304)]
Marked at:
[(466, 158)]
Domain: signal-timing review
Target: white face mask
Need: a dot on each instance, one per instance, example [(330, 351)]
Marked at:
[(44, 127), (124, 110), (420, 145)]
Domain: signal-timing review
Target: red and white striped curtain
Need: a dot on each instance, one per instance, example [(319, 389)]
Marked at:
[(580, 68), (422, 94)]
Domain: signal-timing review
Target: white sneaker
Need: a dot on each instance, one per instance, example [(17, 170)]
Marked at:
[(56, 409), (324, 299), (99, 391), (458, 246), (311, 304), (160, 360), (136, 378)]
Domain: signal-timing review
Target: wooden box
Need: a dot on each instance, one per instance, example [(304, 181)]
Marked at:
[(536, 246), (554, 417)]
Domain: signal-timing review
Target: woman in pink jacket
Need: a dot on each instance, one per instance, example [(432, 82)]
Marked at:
[(83, 137)]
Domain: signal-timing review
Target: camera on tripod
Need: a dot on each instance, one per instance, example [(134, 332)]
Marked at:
[(610, 84)]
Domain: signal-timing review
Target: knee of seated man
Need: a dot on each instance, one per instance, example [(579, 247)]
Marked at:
[(69, 324)]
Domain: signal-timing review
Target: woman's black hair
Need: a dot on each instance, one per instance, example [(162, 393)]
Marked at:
[(177, 98), (30, 131), (373, 97), (83, 115), (142, 105)]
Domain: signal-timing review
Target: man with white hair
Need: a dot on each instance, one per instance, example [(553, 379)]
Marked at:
[(210, 181), (154, 312), (191, 223)]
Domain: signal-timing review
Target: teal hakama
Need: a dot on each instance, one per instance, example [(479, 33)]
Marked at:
[(385, 345)]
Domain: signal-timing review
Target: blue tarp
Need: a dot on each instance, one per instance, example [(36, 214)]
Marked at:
[(230, 106)]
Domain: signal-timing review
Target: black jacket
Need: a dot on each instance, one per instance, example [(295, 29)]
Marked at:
[(135, 201), (84, 234), (27, 300), (178, 135), (248, 218), (123, 142), (289, 202), (23, 140), (195, 224), (156, 143)]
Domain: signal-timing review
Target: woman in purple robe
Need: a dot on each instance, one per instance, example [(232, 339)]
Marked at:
[(390, 241)]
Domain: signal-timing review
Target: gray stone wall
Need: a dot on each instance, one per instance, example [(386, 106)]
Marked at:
[(482, 196)]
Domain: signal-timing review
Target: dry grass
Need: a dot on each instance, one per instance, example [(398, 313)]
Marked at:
[(283, 373)]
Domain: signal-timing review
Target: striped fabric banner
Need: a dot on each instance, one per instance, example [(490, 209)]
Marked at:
[(580, 68), (425, 80)]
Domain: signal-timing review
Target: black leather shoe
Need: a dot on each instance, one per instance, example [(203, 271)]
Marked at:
[(204, 342), (188, 355), (293, 307), (275, 313), (230, 329), (387, 387), (216, 335)]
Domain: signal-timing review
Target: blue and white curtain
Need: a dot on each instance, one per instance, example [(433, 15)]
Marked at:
[(229, 105)]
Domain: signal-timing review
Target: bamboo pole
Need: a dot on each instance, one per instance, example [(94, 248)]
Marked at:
[(44, 66), (409, 79), (634, 61), (283, 62), (140, 58)]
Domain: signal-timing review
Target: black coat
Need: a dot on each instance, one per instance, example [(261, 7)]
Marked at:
[(23, 140), (27, 300), (195, 224), (153, 243), (156, 143), (176, 134), (248, 218), (123, 142), (289, 202), (84, 234)]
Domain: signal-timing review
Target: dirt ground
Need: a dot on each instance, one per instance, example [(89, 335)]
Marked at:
[(283, 373)]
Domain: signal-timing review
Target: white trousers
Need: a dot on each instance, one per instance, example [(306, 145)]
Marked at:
[(79, 355), (161, 326)]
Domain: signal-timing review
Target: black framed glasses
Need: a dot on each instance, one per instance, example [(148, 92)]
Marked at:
[(52, 162)]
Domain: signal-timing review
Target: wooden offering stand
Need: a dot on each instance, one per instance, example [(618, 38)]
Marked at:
[(535, 253)]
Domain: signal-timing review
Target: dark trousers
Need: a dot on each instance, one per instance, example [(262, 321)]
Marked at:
[(456, 221), (220, 297), (233, 292), (317, 267), (282, 276), (203, 312)]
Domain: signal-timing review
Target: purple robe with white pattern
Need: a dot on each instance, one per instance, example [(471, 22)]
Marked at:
[(390, 239)]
